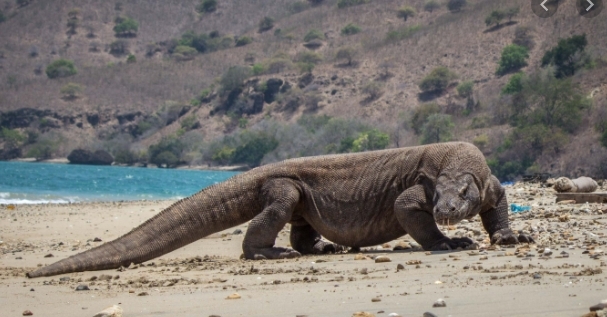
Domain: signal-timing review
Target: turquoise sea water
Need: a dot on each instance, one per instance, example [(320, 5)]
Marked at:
[(36, 183)]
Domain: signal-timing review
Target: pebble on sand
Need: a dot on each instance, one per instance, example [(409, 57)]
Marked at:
[(234, 296), (363, 314), (83, 288), (28, 313), (382, 259), (394, 315), (360, 256), (440, 303), (375, 300), (429, 314), (50, 255), (113, 311), (414, 262)]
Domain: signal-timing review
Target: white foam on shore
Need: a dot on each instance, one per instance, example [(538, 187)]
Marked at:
[(33, 202)]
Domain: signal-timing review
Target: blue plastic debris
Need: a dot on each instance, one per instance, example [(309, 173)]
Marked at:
[(518, 209), (507, 183)]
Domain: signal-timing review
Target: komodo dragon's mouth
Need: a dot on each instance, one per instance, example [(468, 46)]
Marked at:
[(450, 217)]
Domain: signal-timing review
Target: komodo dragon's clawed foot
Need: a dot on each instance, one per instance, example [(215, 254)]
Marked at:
[(272, 253), (323, 247), (506, 236), (451, 244)]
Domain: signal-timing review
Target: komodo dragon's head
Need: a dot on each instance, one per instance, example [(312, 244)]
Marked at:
[(456, 197)]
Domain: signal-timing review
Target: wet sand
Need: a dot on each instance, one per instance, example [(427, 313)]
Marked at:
[(197, 280)]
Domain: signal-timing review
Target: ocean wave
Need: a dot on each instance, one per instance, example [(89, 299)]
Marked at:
[(4, 195), (17, 201)]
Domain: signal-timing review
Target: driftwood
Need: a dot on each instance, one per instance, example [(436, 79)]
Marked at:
[(579, 185)]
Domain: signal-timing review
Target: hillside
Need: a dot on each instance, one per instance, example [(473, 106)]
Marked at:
[(157, 87)]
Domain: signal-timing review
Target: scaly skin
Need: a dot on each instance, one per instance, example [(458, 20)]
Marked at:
[(353, 200)]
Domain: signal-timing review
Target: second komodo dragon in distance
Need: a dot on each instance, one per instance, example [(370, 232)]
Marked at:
[(353, 200)]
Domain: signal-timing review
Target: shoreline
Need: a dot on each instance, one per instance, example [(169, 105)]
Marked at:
[(224, 168)]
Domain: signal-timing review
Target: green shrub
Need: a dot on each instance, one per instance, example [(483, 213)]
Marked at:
[(254, 149), (243, 40), (456, 5), (131, 59), (552, 102), (313, 34), (234, 78), (258, 69), (12, 138), (223, 155), (207, 6), (465, 89), (421, 114), (438, 128), (567, 56), (514, 57), (347, 54), (438, 80), (495, 17), (71, 90), (515, 84), (370, 141), (401, 33), (481, 141), (61, 68), (431, 5), (349, 3), (308, 57), (43, 150), (189, 122), (313, 123), (166, 152), (350, 29), (184, 53), (277, 65), (266, 24), (298, 6), (126, 26), (125, 156), (2, 17), (406, 12)]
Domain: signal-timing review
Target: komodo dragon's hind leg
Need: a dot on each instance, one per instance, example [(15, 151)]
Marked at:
[(413, 211), (281, 198), (308, 241)]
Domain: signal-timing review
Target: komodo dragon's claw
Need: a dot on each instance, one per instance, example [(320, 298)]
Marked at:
[(451, 244), (506, 236)]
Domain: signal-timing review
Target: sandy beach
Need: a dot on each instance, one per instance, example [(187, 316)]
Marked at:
[(561, 275)]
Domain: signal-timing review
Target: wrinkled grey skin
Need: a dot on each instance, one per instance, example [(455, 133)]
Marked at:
[(352, 200)]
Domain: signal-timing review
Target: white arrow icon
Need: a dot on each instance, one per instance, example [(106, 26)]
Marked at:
[(542, 4), (591, 5)]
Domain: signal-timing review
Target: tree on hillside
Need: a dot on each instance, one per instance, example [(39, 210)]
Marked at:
[(567, 56), (234, 78), (61, 68), (207, 6), (438, 128), (438, 80), (126, 27), (514, 57), (71, 91), (406, 12), (456, 5), (266, 24), (495, 17), (431, 5)]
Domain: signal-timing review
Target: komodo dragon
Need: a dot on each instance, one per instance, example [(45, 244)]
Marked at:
[(353, 200)]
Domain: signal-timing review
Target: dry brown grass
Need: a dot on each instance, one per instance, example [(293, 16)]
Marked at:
[(459, 41)]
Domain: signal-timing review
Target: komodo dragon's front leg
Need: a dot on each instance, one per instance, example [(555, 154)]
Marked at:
[(495, 220), (281, 197), (414, 212)]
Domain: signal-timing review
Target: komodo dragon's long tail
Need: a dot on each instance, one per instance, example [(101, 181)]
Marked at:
[(213, 209)]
